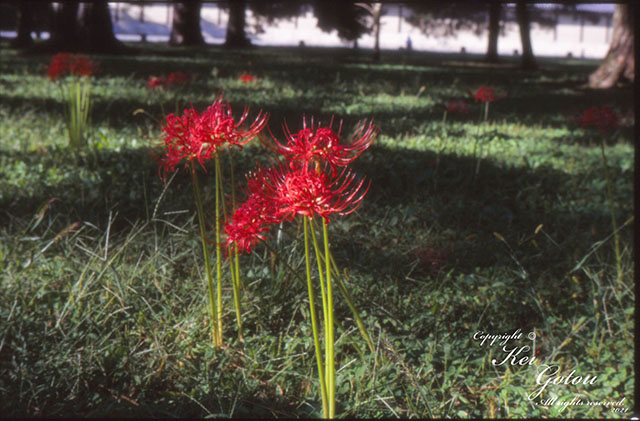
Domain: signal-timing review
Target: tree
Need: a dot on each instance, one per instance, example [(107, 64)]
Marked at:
[(236, 35), (81, 27), (96, 29), (524, 22), (445, 19), (375, 10), (185, 27), (268, 12), (494, 31), (345, 17), (619, 62), (63, 28), (25, 25)]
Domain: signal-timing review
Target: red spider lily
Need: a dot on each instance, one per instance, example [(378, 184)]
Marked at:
[(310, 193), (246, 78), (82, 66), (59, 65), (602, 119), (432, 259), (252, 218), (322, 145), (457, 106), (177, 78), (156, 82), (484, 94), (201, 136), (247, 225), (174, 79), (63, 64)]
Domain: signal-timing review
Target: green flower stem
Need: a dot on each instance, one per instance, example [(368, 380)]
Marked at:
[(79, 111), (218, 183), (475, 144), (75, 113), (345, 293), (234, 263), (329, 342), (236, 257), (320, 273), (478, 163), (443, 132), (207, 260), (314, 325), (347, 297), (235, 276), (614, 224)]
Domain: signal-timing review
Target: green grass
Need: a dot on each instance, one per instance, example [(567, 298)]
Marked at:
[(103, 300)]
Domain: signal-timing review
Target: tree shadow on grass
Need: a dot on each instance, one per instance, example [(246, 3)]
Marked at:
[(417, 199)]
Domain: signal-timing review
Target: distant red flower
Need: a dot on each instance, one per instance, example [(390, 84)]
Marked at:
[(432, 259), (602, 119), (300, 191), (59, 65), (174, 79), (246, 78), (82, 66), (156, 82), (177, 78), (63, 64), (484, 94), (457, 106), (202, 136), (322, 145)]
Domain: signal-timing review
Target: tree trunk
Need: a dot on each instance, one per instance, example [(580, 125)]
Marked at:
[(620, 61), (96, 29), (376, 13), (185, 29), (82, 27), (522, 16), (63, 30), (494, 32), (25, 25), (236, 36)]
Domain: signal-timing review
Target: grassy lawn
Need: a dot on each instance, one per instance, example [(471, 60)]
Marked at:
[(467, 227)]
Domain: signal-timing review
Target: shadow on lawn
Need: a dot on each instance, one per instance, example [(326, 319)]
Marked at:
[(412, 194), (554, 109)]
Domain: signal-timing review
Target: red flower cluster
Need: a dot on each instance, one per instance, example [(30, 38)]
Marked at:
[(304, 187), (302, 192), (253, 218), (174, 79), (432, 259), (602, 119), (63, 64), (201, 136), (484, 94), (457, 106), (322, 145), (246, 78)]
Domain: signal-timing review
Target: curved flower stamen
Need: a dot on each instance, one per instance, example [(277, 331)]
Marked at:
[(202, 136), (253, 217), (316, 145), (310, 193)]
